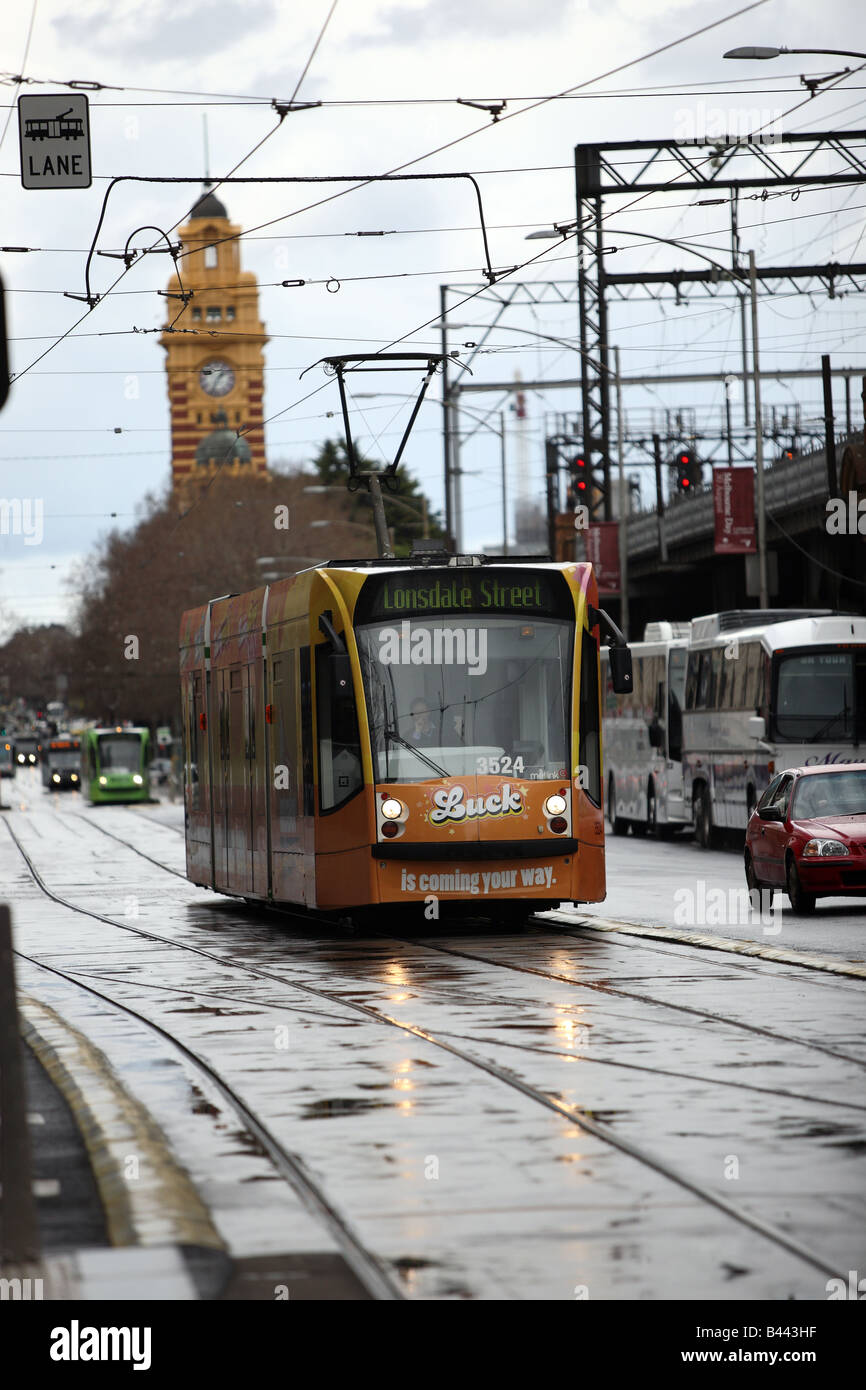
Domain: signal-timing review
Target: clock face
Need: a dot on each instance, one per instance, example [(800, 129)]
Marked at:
[(217, 378)]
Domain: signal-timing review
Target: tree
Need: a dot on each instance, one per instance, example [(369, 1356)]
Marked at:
[(332, 465)]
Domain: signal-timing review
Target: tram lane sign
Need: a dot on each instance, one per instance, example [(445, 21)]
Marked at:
[(54, 139)]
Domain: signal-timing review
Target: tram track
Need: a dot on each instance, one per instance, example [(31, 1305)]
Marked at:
[(575, 1115)]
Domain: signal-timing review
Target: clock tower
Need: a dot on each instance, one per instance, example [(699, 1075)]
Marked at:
[(215, 372)]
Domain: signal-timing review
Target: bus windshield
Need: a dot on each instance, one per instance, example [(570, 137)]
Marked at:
[(458, 695), (816, 697), (67, 757), (120, 753)]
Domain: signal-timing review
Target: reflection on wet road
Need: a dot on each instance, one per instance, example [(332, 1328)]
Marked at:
[(475, 1083)]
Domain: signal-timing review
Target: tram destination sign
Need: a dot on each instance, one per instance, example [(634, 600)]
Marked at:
[(54, 139), (490, 591)]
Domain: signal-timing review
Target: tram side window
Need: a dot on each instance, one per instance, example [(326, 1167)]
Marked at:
[(196, 752), (285, 734), (589, 755), (340, 775)]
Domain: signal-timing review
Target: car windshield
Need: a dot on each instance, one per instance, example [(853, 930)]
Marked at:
[(468, 694), (120, 753), (830, 794)]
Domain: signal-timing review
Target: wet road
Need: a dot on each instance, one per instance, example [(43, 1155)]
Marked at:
[(549, 1113)]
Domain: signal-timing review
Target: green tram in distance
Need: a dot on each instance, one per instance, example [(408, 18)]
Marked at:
[(114, 764)]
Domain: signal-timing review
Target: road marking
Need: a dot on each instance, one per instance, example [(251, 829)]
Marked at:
[(712, 943)]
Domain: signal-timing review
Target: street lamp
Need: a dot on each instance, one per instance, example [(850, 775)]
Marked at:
[(392, 500), (777, 52)]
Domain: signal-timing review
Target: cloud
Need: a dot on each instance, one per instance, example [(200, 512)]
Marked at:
[(163, 30), (454, 19)]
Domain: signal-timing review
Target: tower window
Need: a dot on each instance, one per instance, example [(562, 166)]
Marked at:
[(196, 313), (230, 312), (214, 313), (210, 257)]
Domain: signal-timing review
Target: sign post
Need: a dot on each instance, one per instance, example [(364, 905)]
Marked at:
[(54, 138)]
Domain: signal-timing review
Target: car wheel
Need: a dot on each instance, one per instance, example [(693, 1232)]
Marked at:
[(802, 903), (617, 824), (751, 881), (703, 818)]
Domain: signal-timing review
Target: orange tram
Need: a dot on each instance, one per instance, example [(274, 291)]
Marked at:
[(389, 732)]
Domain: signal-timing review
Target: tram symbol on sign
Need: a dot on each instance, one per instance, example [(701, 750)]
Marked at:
[(54, 138), (62, 127)]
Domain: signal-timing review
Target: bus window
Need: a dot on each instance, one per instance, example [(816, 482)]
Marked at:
[(752, 693), (725, 683), (676, 691), (692, 680), (589, 755), (340, 775), (702, 697)]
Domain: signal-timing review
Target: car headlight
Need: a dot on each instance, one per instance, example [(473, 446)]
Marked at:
[(821, 848), (392, 809), (555, 805), (137, 779), (20, 757), (103, 781)]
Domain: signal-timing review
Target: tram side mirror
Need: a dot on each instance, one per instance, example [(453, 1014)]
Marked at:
[(619, 660), (757, 727)]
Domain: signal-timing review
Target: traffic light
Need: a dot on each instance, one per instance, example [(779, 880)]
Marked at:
[(580, 476), (688, 472)]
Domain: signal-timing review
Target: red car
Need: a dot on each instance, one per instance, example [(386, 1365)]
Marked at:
[(807, 834)]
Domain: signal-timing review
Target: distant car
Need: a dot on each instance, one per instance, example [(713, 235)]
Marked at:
[(807, 834)]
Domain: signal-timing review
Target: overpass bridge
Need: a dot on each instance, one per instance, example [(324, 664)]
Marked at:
[(674, 572)]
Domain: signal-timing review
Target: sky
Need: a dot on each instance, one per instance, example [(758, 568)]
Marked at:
[(85, 430)]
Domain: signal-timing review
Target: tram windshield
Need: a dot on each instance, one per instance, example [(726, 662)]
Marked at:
[(120, 753), (452, 696)]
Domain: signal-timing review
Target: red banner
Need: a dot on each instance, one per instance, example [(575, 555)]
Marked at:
[(602, 551), (734, 511)]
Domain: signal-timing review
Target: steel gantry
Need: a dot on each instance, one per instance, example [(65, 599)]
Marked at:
[(640, 167)]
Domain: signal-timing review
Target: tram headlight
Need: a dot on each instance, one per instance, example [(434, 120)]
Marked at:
[(75, 776), (392, 809), (55, 777), (103, 781), (20, 757), (137, 779), (817, 849), (555, 805)]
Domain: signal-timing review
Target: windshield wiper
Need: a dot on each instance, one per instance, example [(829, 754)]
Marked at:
[(391, 737), (828, 724)]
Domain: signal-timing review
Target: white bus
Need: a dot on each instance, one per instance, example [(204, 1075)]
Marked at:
[(642, 736), (765, 691)]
